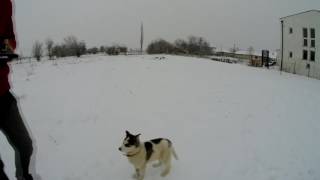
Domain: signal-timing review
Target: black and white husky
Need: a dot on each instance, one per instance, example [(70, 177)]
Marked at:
[(139, 154)]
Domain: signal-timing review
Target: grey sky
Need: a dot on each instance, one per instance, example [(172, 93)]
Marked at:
[(104, 22)]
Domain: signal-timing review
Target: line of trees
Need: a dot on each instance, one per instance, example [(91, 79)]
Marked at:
[(71, 46), (110, 50), (192, 46)]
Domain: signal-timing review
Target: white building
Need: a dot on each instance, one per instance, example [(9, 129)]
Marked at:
[(300, 44)]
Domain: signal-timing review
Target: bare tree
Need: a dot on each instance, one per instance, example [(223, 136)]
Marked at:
[(182, 45), (49, 46), (37, 50), (93, 50), (59, 51), (102, 49), (74, 47), (234, 49), (71, 43), (81, 48), (160, 46), (251, 53), (194, 45), (250, 50), (199, 46)]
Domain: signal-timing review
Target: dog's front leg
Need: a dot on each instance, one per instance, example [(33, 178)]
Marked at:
[(136, 174), (140, 172)]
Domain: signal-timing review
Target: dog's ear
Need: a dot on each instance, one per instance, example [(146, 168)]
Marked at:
[(137, 135), (127, 133)]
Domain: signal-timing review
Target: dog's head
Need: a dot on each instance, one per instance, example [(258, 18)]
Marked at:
[(130, 143)]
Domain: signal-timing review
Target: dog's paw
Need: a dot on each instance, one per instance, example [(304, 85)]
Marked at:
[(165, 173), (134, 176)]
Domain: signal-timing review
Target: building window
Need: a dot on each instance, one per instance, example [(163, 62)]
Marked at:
[(305, 42), (312, 55), (305, 55), (290, 30), (313, 43), (313, 33), (290, 54), (305, 32)]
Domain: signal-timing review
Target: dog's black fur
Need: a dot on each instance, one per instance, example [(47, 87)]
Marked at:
[(149, 149)]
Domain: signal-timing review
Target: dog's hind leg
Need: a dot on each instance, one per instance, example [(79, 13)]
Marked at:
[(167, 163), (167, 167)]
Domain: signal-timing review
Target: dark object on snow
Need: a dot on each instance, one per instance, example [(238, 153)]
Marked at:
[(160, 58), (272, 62), (265, 58), (225, 59)]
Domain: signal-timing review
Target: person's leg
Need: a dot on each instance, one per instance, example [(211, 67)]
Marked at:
[(3, 175), (3, 110), (18, 136)]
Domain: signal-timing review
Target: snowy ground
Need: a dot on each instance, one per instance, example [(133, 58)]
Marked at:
[(227, 121)]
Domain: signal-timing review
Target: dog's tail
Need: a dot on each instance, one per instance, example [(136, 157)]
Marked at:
[(174, 153), (172, 149)]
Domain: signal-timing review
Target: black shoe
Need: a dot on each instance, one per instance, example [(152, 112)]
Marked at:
[(3, 176), (29, 177), (26, 177)]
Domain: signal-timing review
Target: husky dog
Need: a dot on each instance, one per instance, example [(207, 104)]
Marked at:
[(139, 154)]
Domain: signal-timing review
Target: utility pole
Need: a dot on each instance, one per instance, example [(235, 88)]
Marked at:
[(141, 39), (282, 31)]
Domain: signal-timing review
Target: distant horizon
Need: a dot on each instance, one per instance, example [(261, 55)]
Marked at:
[(108, 22)]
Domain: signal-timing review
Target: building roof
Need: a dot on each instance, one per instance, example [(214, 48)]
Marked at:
[(313, 10)]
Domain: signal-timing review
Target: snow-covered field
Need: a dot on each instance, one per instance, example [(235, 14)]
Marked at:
[(227, 121)]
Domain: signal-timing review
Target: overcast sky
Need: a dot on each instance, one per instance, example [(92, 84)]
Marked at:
[(105, 22)]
